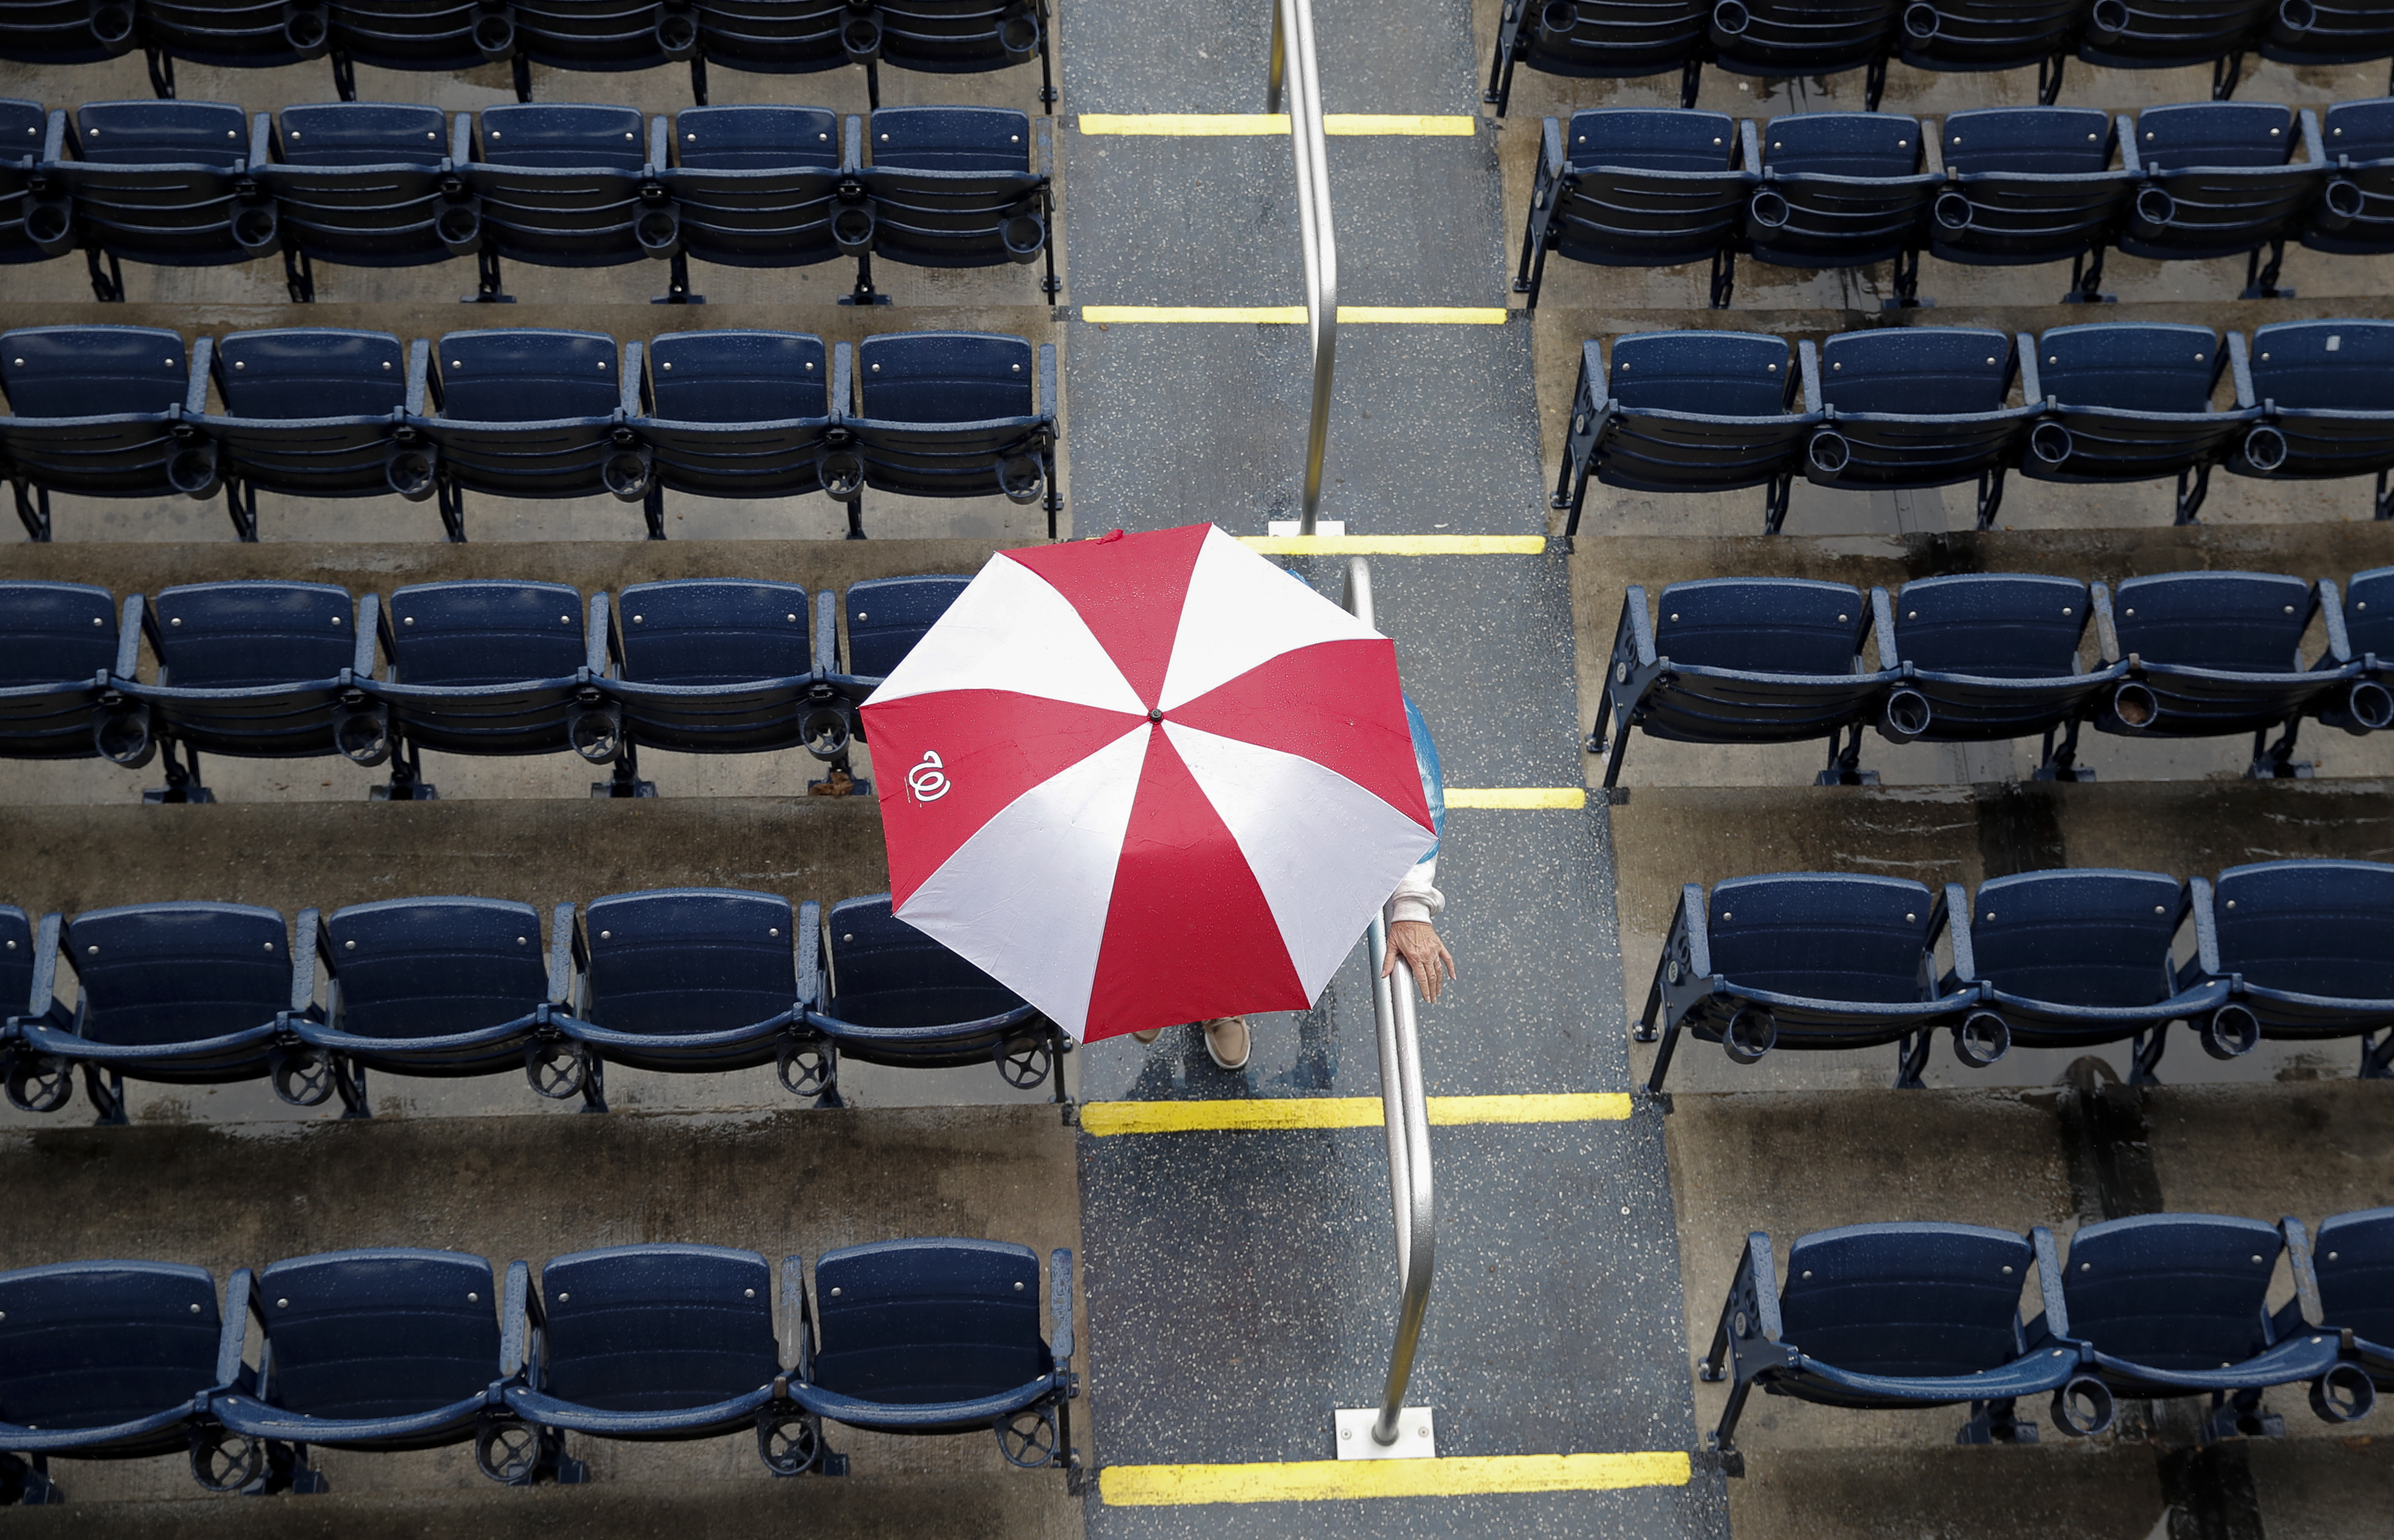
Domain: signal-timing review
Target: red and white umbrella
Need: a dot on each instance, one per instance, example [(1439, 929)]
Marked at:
[(1147, 779)]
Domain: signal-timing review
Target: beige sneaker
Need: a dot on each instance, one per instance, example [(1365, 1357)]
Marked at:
[(1150, 1035), (1227, 1042)]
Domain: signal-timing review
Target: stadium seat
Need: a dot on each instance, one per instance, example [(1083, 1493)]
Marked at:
[(722, 666), (100, 412), (951, 37), (2170, 35), (1841, 189), (66, 32), (955, 187), (888, 615), (2353, 1260), (951, 414), (562, 186), (2326, 390), (885, 992), (2175, 1305), (521, 413), (2032, 184), (167, 183), (1983, 657), (2308, 946), (2080, 957), (2130, 402), (762, 186), (2355, 212), (101, 1361), (782, 37), (1973, 36), (603, 36), (22, 992), (1686, 412), (2221, 179), (438, 988), (1601, 39), (427, 36), (33, 227), (366, 184), (479, 667), (308, 411), (1819, 960), (2218, 653), (256, 670), (694, 981), (59, 644), (1916, 407), (648, 1343), (2368, 704), (377, 1350), (1898, 1316), (177, 994), (942, 1336), (2328, 32), (1637, 187), (234, 34), (1740, 660), (1778, 38), (748, 415)]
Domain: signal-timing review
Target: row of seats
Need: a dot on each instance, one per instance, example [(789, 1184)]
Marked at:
[(1900, 1316), (773, 37), (318, 412), (2290, 951), (1623, 39), (682, 980), (1984, 657), (398, 1348), (280, 670), (1916, 407), (2010, 187), (379, 185)]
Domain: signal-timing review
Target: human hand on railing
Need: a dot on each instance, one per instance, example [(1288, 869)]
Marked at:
[(1417, 943)]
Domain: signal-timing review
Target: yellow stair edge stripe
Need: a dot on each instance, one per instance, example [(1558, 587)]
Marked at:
[(1424, 315), (1518, 798), (1101, 1119), (1221, 125), (1396, 545), (1325, 1481), (1293, 315)]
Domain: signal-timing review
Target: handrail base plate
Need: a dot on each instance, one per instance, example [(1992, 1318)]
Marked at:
[(1417, 1434)]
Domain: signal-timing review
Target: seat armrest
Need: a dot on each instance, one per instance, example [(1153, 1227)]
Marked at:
[(809, 945), (419, 369), (852, 146), (1883, 629), (1593, 393), (518, 1303), (2107, 632), (1638, 620), (261, 140), (1953, 914), (1048, 403), (462, 148), (1059, 1305), (797, 1319), (566, 954), (371, 627), (1807, 360), (660, 144), (54, 136), (195, 390), (2305, 1310), (827, 633), (2329, 603), (1700, 946), (2206, 928), (129, 629), (843, 381), (303, 931), (41, 998), (1749, 147), (2314, 148), (598, 642), (2032, 379), (2048, 1284), (2239, 369), (627, 404), (242, 1300), (2124, 134)]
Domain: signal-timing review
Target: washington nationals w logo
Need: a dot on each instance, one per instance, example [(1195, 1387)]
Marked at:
[(927, 782)]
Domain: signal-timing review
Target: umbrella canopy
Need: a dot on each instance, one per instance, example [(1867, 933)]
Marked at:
[(1146, 778)]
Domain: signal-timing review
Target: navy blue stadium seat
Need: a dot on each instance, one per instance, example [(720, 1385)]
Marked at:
[(942, 1336), (1813, 960), (433, 36), (2175, 1305), (387, 1348), (2310, 946), (1740, 660), (439, 988), (2222, 179), (67, 31), (33, 227), (308, 411), (168, 183), (2353, 1260), (1686, 412), (1601, 39), (1983, 657), (885, 992), (648, 1343), (1807, 37), (1973, 36), (2169, 35), (100, 412), (259, 670), (955, 187), (2032, 184), (604, 36), (521, 413), (888, 615), (2131, 401), (2355, 212), (563, 186), (763, 187), (951, 414), (24, 991), (1637, 186), (782, 37), (366, 184), (737, 413), (2218, 653), (179, 994), (694, 981), (58, 645), (1917, 406), (2082, 956), (480, 667), (1898, 1316), (2328, 32), (1841, 189), (2368, 704), (2326, 389), (949, 38), (102, 1361), (234, 34)]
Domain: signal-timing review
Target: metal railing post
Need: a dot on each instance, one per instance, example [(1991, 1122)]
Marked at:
[(1295, 68)]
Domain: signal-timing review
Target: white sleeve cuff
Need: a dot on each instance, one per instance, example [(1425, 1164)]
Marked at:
[(1418, 897)]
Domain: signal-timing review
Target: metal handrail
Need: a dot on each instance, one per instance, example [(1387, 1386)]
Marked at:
[(1406, 1112), (1293, 32)]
